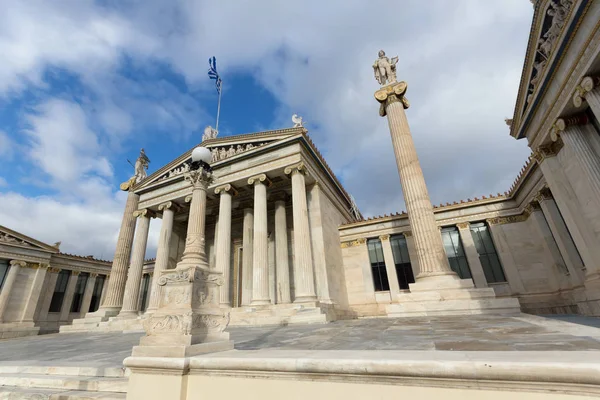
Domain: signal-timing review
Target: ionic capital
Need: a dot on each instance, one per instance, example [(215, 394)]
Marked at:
[(169, 205), (532, 207), (227, 188), (261, 178), (463, 225), (93, 275), (384, 237), (54, 269), (587, 84), (391, 94), (18, 263), (188, 198), (562, 123), (544, 194), (407, 233), (75, 273), (548, 150), (144, 213), (296, 168)]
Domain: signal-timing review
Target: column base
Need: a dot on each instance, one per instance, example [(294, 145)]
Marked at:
[(260, 302), (305, 299), (442, 295), (126, 315)]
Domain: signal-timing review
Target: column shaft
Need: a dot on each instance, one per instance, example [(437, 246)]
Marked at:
[(593, 99), (87, 294), (162, 254), (7, 287), (116, 286), (551, 251), (260, 271), (194, 253), (52, 278), (390, 266), (282, 266), (304, 280), (223, 245), (134, 278), (34, 294), (247, 256), (428, 241), (475, 266), (576, 139), (65, 308)]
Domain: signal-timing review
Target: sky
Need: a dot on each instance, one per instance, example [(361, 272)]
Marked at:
[(85, 84)]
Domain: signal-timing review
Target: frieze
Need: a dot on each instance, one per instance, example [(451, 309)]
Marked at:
[(190, 275), (187, 323), (353, 243), (6, 238), (508, 220)]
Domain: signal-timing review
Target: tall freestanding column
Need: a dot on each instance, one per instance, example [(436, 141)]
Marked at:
[(162, 252), (189, 320), (223, 245), (247, 256), (260, 264), (282, 266), (134, 278), (116, 285), (304, 278), (428, 241), (9, 282)]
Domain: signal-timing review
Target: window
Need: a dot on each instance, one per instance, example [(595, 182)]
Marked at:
[(59, 290), (380, 278), (79, 290), (145, 286), (487, 253), (456, 254), (402, 261), (97, 293), (3, 271)]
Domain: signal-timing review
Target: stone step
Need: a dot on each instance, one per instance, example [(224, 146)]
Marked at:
[(19, 393), (65, 382), (497, 306), (105, 372)]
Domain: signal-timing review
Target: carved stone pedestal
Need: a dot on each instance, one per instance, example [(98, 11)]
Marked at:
[(189, 321)]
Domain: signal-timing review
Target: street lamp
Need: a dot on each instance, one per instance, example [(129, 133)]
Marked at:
[(201, 158)]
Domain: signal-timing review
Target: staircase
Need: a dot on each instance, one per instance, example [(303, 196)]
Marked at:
[(280, 314), (62, 383)]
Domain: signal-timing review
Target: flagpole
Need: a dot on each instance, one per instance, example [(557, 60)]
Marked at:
[(218, 110)]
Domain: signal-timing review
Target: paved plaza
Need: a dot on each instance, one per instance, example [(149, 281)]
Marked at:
[(461, 333)]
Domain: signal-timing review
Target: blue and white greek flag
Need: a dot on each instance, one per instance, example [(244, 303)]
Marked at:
[(213, 74)]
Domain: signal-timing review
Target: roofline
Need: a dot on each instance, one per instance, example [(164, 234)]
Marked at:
[(21, 236)]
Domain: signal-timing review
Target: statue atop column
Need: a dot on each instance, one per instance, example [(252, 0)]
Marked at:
[(385, 69), (141, 165), (209, 133)]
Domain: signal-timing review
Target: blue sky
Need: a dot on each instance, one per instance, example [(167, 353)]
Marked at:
[(85, 84)]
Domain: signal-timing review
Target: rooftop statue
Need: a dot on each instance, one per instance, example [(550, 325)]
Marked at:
[(385, 69), (209, 133), (297, 121), (141, 165)]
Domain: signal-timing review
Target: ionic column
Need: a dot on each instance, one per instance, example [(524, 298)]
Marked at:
[(282, 267), (194, 253), (223, 245), (87, 294), (65, 308), (588, 90), (116, 286), (162, 253), (304, 281), (464, 230), (428, 241), (34, 293), (260, 261), (9, 282), (247, 255), (390, 266), (561, 235), (134, 278)]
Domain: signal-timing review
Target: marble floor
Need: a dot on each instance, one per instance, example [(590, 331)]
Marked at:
[(460, 333)]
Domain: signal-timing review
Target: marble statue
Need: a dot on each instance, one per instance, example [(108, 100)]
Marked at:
[(297, 121), (141, 165), (209, 133), (230, 152), (239, 149), (215, 154), (385, 69)]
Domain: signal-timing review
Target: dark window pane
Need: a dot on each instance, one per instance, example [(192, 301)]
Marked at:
[(3, 271), (79, 290), (145, 286), (98, 286), (59, 290), (380, 279), (455, 252), (490, 262), (402, 261)]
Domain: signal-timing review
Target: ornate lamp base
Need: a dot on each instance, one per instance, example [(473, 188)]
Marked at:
[(189, 321)]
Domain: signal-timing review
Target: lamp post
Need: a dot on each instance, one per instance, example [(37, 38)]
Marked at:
[(189, 320)]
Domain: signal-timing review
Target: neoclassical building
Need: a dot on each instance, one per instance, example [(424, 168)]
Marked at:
[(293, 248)]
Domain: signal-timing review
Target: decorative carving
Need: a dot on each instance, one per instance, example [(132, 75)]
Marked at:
[(384, 237), (292, 169), (226, 188), (407, 233), (549, 150), (199, 178), (209, 133), (391, 94), (18, 263), (261, 178), (508, 220), (532, 207), (167, 205), (144, 213), (587, 84), (6, 238), (214, 321), (562, 123), (385, 69), (354, 209), (190, 274), (353, 243), (463, 225), (556, 16)]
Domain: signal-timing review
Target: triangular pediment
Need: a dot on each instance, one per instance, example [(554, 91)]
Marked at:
[(223, 150), (13, 238), (551, 23)]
